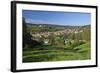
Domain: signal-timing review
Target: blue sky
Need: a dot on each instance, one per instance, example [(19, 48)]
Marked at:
[(59, 18)]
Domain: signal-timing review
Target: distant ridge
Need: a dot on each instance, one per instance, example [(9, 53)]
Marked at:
[(58, 26)]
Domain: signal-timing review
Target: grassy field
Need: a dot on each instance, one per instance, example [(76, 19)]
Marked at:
[(45, 53)]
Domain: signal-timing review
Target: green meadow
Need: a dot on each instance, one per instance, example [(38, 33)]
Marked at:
[(54, 53)]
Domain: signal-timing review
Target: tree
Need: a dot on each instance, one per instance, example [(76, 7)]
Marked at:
[(27, 38)]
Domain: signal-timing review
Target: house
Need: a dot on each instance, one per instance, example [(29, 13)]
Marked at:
[(46, 41)]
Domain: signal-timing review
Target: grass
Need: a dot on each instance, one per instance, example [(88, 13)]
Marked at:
[(55, 53)]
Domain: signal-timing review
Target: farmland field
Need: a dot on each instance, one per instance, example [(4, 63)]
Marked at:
[(52, 53)]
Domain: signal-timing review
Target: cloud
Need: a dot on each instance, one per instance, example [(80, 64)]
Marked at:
[(35, 21)]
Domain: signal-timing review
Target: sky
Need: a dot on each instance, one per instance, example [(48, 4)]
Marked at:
[(59, 18)]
